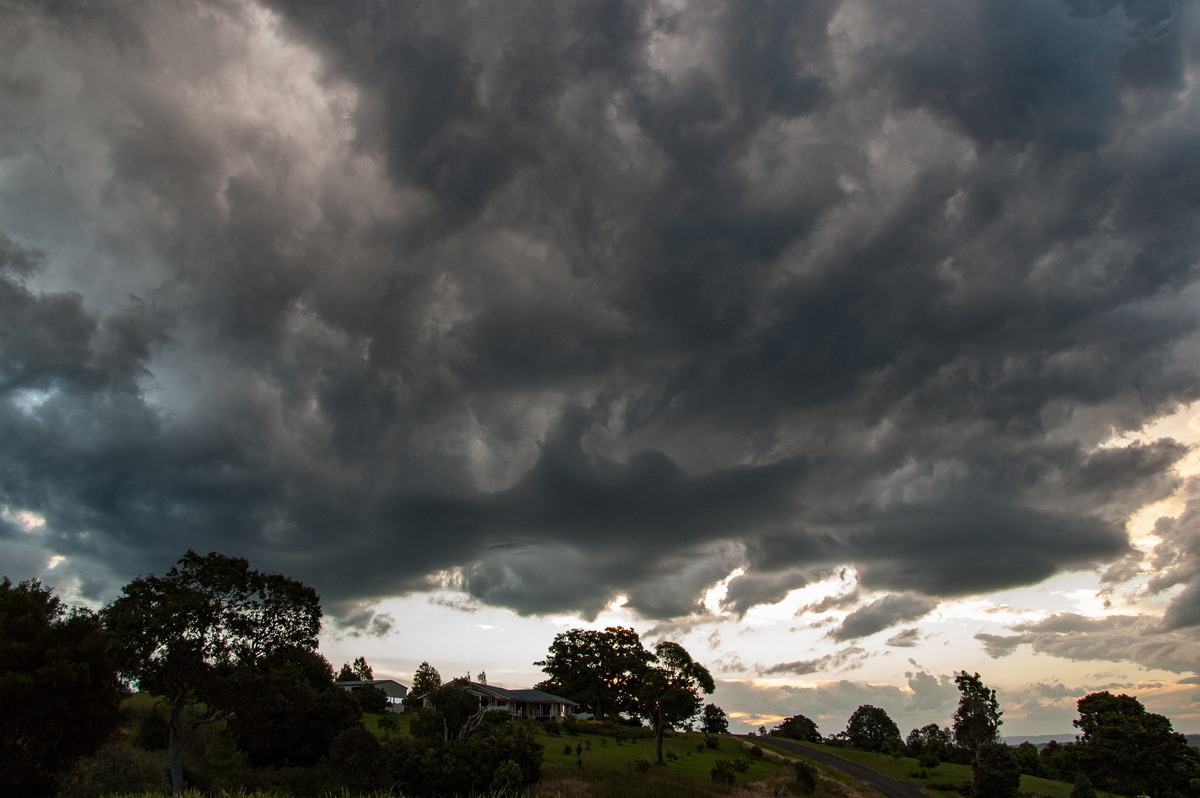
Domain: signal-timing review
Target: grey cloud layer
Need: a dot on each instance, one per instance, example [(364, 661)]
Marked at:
[(568, 300)]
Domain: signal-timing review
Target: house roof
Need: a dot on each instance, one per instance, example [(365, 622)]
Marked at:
[(527, 696)]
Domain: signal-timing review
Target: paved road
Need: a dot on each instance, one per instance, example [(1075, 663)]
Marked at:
[(889, 787)]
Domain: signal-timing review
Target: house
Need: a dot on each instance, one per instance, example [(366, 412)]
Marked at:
[(394, 691), (528, 703)]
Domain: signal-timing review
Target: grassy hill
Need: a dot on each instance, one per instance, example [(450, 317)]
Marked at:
[(934, 781)]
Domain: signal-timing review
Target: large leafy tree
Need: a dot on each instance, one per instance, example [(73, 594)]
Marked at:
[(184, 635), (977, 719), (798, 727), (601, 670), (670, 689), (869, 727), (1127, 750), (59, 691)]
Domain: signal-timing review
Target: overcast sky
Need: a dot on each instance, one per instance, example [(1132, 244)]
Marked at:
[(849, 343)]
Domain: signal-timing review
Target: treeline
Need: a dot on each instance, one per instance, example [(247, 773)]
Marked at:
[(1121, 748), (242, 698)]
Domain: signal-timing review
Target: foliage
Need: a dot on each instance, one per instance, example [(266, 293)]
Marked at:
[(184, 635), (714, 720), (798, 727), (425, 681), (995, 772), (1127, 750), (287, 708), (670, 691), (113, 769), (869, 727), (929, 740), (806, 777), (1028, 759), (359, 759), (1083, 788), (359, 671), (430, 766), (59, 691), (598, 669), (451, 713), (723, 771), (977, 719)]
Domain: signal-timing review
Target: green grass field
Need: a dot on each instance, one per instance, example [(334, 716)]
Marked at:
[(907, 769)]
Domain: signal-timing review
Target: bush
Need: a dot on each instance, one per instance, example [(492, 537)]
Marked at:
[(114, 769), (723, 771), (359, 759), (806, 778), (754, 751), (928, 761), (1082, 788), (712, 741), (642, 765), (508, 778), (154, 732)]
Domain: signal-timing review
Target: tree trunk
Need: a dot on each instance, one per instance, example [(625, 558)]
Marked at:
[(659, 729), (175, 747)]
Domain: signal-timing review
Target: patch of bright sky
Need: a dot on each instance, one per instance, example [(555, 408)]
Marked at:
[(25, 520)]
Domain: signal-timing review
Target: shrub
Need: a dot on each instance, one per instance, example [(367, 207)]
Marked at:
[(359, 759), (114, 769), (712, 741), (723, 771), (806, 778), (754, 751), (508, 778), (642, 765), (154, 731)]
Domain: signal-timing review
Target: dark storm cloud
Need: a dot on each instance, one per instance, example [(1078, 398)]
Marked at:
[(559, 302)]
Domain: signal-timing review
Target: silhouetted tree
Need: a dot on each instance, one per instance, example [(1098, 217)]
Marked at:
[(185, 634), (930, 740), (600, 670), (714, 720), (798, 727), (59, 691), (977, 719), (670, 689), (425, 681), (1127, 750), (869, 727)]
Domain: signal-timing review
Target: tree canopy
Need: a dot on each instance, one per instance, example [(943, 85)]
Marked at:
[(669, 692), (869, 727), (1127, 750), (798, 727), (977, 719), (714, 720), (183, 634), (59, 691), (598, 669)]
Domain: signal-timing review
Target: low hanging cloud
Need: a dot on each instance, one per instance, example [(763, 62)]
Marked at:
[(560, 303), (882, 614)]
